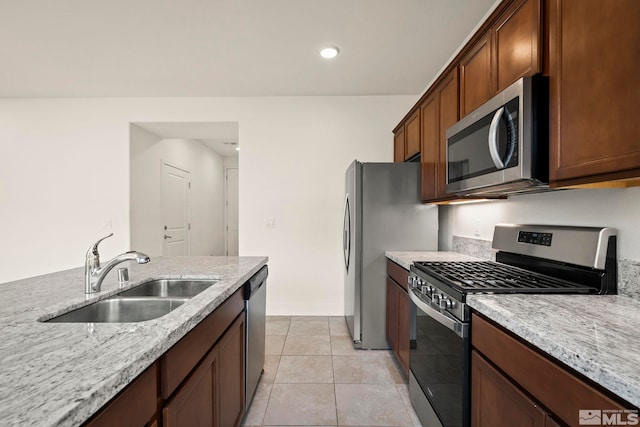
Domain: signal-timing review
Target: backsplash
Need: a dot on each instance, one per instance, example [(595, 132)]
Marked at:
[(478, 248), (628, 270), (629, 278)]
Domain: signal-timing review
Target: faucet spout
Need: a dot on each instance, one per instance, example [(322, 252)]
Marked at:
[(95, 274)]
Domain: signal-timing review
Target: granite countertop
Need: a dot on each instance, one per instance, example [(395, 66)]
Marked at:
[(406, 258), (597, 335), (61, 373)]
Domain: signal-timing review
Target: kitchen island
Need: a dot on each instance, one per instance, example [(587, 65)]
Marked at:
[(62, 373)]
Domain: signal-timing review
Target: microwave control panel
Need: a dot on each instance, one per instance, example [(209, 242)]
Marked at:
[(535, 238)]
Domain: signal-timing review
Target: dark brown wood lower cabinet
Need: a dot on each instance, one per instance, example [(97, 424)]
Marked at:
[(398, 323), (213, 394), (392, 314), (195, 403), (496, 402), (231, 385), (135, 406), (403, 330), (509, 375)]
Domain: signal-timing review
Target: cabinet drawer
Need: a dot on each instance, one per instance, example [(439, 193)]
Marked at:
[(134, 406), (397, 273), (558, 389), (176, 363)]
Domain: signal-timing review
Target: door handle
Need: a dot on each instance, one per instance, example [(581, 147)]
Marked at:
[(166, 236)]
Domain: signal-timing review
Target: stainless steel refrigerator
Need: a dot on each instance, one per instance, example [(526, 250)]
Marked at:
[(382, 212)]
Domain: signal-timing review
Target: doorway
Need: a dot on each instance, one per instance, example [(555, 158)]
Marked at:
[(231, 211), (175, 197), (178, 187)]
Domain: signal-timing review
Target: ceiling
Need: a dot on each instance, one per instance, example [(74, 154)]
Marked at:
[(221, 137), (170, 48)]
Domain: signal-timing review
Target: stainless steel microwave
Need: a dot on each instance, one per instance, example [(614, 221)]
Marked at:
[(502, 147)]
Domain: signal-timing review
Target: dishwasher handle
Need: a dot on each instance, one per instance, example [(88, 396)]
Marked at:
[(256, 281)]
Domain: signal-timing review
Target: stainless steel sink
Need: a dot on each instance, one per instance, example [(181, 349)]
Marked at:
[(120, 310), (179, 288), (147, 301)]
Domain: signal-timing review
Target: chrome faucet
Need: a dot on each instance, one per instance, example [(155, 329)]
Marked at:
[(94, 274)]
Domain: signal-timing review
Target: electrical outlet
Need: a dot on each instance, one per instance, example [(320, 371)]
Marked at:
[(107, 225), (270, 222)]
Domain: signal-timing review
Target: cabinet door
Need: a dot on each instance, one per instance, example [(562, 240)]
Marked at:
[(495, 402), (231, 378), (594, 92), (403, 330), (195, 402), (412, 136), (517, 43), (448, 109), (475, 75), (392, 315), (398, 145), (430, 156), (135, 406)]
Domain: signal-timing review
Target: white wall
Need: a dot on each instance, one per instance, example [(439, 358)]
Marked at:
[(65, 171), (619, 208), (205, 166)]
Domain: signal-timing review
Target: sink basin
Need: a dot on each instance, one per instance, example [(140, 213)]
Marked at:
[(179, 288), (120, 310)]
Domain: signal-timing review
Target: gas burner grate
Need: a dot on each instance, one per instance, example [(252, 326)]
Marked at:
[(494, 277)]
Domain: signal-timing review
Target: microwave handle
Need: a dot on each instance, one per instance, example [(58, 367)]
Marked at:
[(493, 139)]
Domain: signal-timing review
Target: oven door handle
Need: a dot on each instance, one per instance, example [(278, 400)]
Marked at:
[(461, 329)]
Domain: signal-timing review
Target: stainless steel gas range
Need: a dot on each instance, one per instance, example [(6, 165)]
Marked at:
[(532, 259)]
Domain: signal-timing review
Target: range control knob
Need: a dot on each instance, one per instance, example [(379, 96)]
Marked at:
[(435, 298), (411, 280), (445, 302)]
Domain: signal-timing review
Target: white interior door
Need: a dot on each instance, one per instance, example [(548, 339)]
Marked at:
[(232, 211), (175, 210)]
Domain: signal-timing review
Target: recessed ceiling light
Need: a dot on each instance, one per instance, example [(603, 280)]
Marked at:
[(237, 148), (329, 52)]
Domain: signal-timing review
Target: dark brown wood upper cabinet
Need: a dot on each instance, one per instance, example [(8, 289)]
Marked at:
[(448, 93), (594, 48), (439, 111), (517, 43), (412, 136), (398, 145), (430, 148), (475, 75)]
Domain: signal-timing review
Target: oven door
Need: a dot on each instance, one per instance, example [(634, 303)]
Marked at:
[(439, 364)]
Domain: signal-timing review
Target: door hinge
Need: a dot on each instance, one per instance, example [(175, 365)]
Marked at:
[(188, 226), (189, 184)]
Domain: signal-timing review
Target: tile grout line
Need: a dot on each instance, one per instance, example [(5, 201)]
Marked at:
[(333, 373)]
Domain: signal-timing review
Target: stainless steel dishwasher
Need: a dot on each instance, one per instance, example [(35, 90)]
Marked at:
[(255, 301)]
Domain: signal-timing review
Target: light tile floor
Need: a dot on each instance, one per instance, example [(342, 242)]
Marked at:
[(314, 377)]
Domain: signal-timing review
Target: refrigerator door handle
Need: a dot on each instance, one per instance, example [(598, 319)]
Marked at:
[(346, 233)]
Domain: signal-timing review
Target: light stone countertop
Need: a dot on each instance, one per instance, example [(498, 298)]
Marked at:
[(596, 335), (59, 374), (406, 258)]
